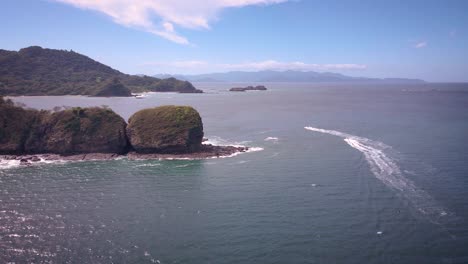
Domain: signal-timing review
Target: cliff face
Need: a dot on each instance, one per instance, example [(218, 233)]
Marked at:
[(15, 126), (166, 129), (38, 71)]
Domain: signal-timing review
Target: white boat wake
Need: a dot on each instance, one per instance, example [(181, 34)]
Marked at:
[(387, 171)]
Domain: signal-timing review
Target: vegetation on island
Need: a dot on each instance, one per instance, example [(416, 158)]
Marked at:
[(70, 131), (79, 130), (166, 129), (38, 71)]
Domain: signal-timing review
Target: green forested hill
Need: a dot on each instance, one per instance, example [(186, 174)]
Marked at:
[(38, 71)]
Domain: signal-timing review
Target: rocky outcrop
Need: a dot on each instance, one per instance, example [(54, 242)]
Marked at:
[(248, 88), (166, 129), (167, 132), (206, 151), (79, 130), (72, 131)]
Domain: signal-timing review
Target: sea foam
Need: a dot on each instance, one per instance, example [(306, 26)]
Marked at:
[(8, 164), (386, 169), (217, 141)]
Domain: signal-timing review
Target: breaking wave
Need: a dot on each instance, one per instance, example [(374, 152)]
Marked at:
[(14, 163), (275, 139), (389, 173), (217, 141)]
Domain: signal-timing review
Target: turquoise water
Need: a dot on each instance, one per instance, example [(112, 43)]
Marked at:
[(343, 174)]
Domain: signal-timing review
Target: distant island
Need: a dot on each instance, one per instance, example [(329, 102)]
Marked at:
[(38, 71), (248, 88), (283, 76), (164, 132)]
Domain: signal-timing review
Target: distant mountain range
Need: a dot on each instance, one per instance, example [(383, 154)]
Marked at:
[(38, 71), (282, 76)]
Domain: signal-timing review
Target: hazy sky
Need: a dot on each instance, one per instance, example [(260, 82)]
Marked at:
[(375, 38)]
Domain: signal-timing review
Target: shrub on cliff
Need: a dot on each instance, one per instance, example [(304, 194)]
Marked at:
[(166, 129)]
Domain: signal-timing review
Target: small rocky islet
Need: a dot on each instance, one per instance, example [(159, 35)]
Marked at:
[(248, 88), (96, 133)]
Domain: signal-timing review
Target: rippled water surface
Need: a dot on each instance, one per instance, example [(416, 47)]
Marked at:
[(346, 174)]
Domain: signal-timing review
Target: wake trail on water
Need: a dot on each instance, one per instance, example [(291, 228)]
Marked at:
[(389, 173)]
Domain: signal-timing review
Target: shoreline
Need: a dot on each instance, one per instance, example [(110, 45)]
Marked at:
[(207, 151)]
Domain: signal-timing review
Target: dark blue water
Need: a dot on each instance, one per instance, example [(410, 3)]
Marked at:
[(379, 176)]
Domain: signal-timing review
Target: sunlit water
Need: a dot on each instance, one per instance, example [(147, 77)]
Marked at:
[(343, 174)]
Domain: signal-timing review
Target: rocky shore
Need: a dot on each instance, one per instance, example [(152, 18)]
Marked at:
[(205, 152)]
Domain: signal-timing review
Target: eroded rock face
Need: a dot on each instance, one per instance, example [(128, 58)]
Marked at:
[(166, 129), (78, 130)]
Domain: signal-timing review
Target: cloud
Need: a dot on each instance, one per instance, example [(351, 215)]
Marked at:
[(160, 16), (203, 66), (420, 44)]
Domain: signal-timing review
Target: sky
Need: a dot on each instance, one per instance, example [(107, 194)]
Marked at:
[(372, 38)]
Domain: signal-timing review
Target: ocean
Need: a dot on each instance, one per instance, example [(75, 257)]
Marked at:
[(341, 173)]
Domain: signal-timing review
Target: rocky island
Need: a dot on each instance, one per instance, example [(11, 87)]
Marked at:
[(165, 132), (40, 71), (248, 88)]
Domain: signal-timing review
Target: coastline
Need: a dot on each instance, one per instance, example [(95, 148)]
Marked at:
[(207, 151)]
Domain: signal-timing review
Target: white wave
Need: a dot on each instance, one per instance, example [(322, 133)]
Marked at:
[(163, 159), (250, 149), (388, 172), (271, 139), (8, 164), (217, 141), (149, 165), (254, 149), (183, 166)]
